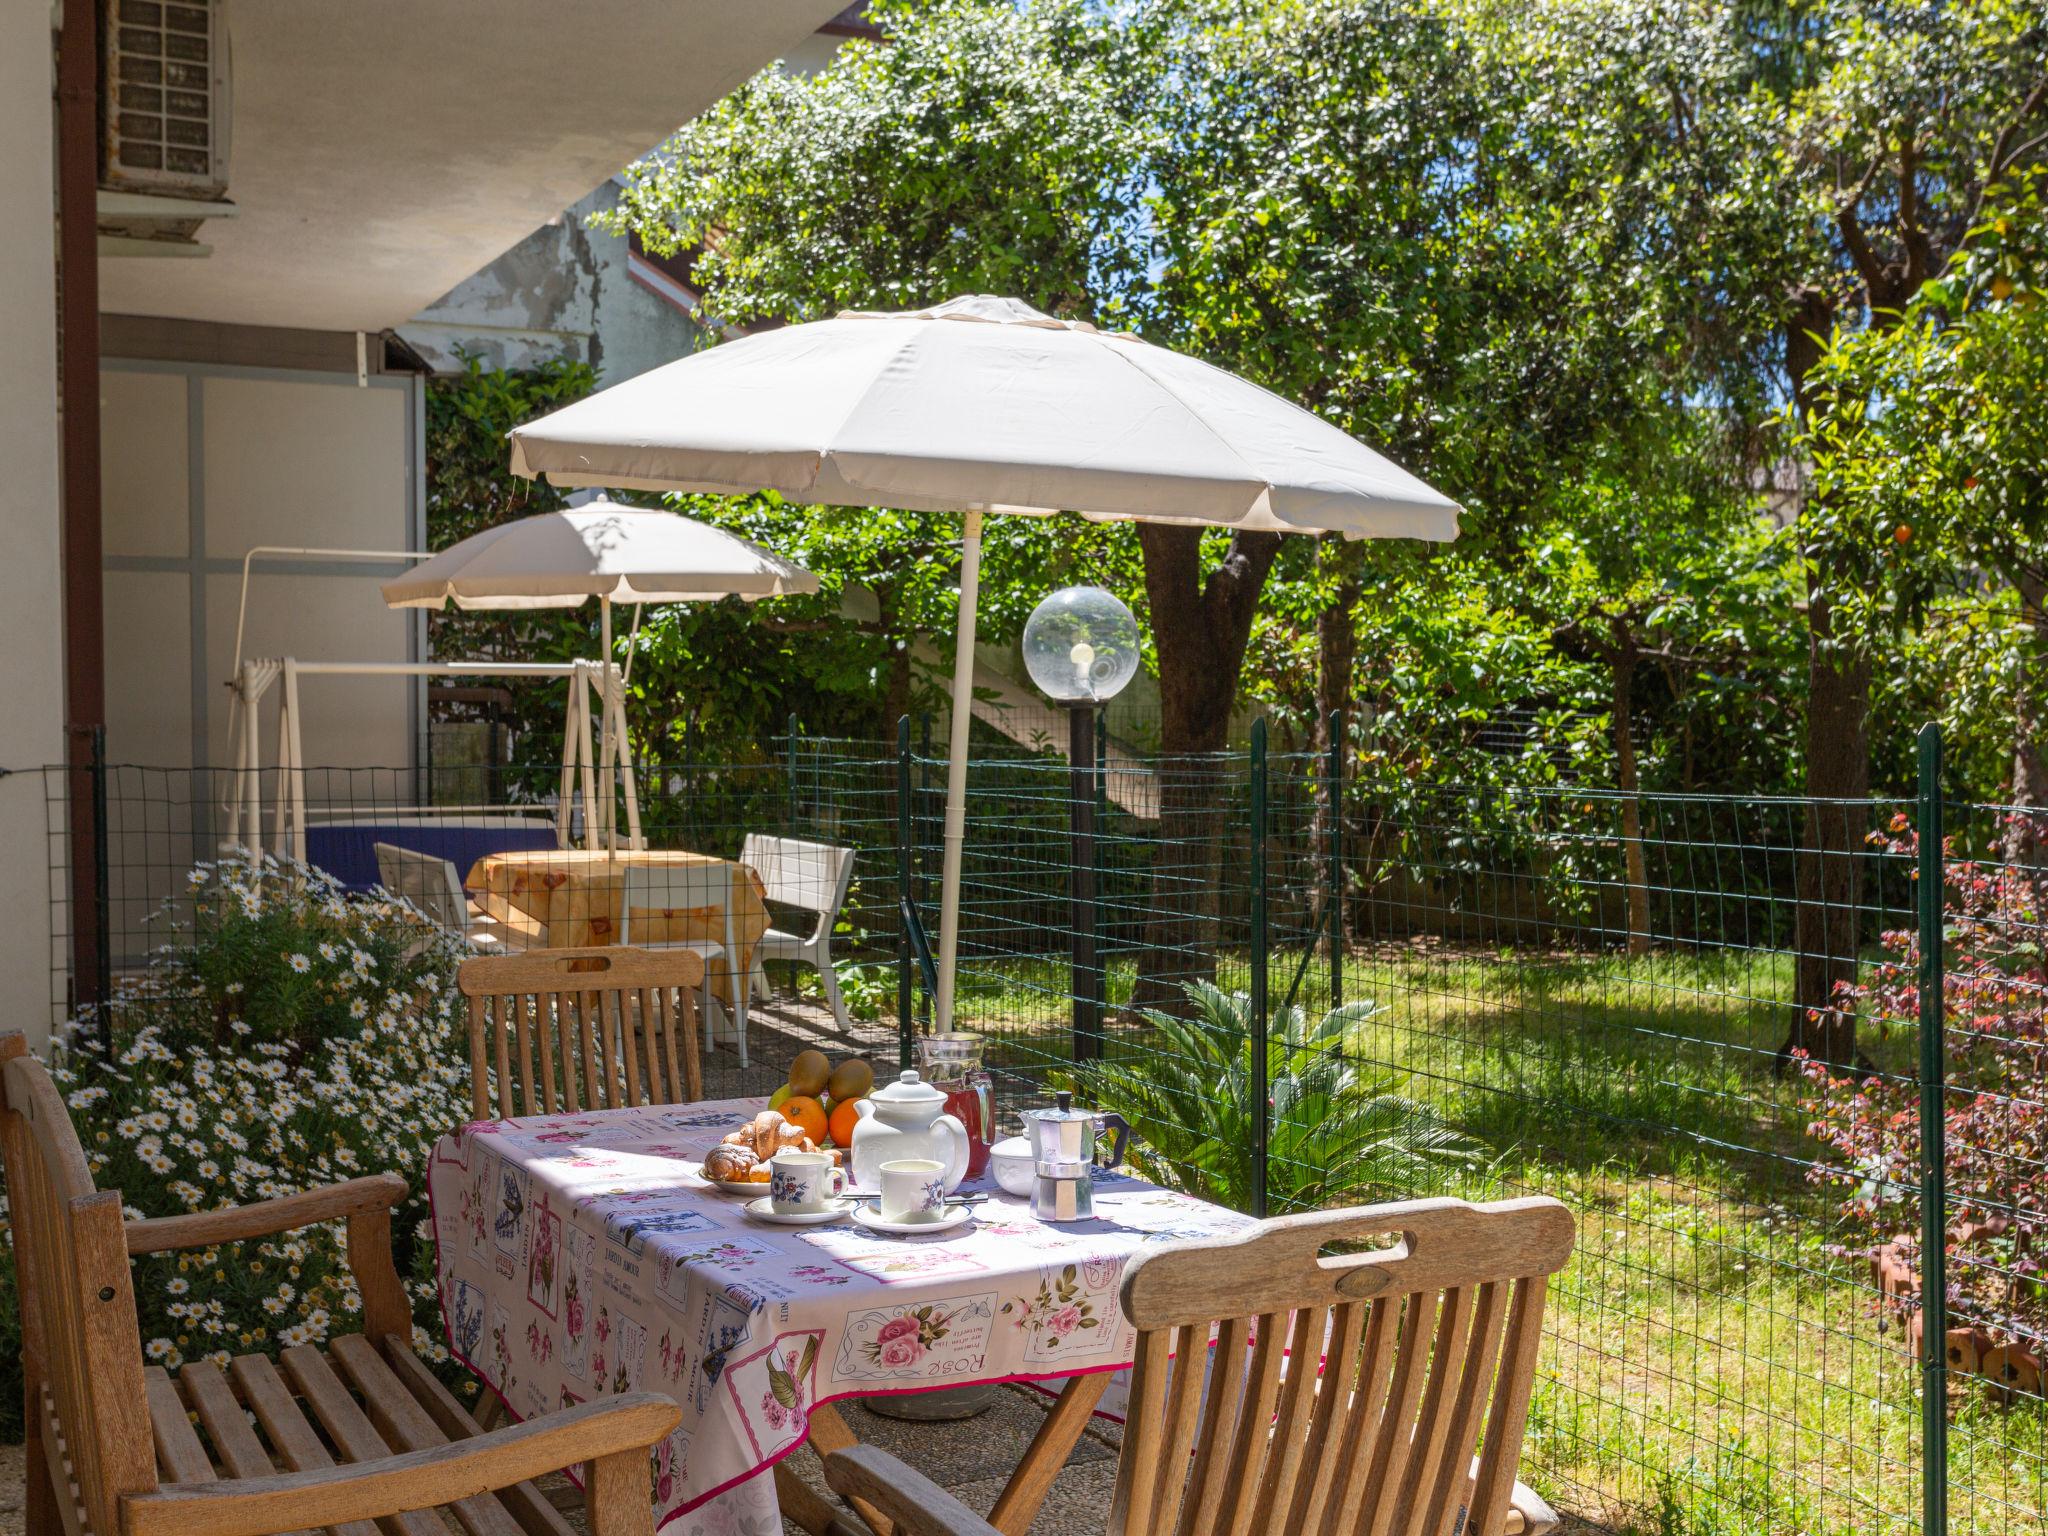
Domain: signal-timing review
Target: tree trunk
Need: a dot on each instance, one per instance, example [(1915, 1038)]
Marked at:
[(1827, 879), (1199, 631), (1622, 664), (1828, 883), (2026, 839)]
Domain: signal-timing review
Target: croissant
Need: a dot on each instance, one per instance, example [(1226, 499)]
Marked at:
[(767, 1134)]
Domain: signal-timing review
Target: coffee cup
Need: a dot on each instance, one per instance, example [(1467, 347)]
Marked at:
[(800, 1183), (913, 1189)]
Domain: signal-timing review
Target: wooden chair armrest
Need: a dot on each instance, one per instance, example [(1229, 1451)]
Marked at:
[(291, 1501), (204, 1229), (917, 1505), (1538, 1518)]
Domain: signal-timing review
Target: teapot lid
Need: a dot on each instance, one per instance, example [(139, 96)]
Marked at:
[(908, 1089)]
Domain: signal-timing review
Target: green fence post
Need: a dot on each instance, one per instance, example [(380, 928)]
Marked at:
[(1333, 899), (906, 1023), (790, 751), (102, 902), (1262, 1128), (1933, 1150)]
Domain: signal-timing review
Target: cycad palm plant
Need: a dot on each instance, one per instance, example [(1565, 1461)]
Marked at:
[(1337, 1135)]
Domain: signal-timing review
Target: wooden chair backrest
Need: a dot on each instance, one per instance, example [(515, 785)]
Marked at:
[(427, 881), (81, 1343), (809, 876), (605, 1027), (1428, 1350)]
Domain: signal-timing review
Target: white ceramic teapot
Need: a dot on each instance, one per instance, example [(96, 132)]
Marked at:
[(907, 1119)]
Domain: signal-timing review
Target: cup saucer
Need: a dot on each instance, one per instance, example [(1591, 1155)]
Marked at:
[(955, 1212), (763, 1209)]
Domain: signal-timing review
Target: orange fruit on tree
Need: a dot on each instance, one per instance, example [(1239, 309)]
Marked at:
[(807, 1114), (844, 1119)]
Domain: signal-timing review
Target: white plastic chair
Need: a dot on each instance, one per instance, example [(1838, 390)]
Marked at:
[(654, 888), (813, 877), (433, 885)]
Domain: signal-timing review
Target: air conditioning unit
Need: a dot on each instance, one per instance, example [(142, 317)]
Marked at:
[(164, 121)]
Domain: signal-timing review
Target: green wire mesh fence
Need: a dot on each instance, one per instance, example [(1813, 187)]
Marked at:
[(1798, 1103)]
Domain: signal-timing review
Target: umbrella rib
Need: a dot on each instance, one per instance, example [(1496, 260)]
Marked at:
[(1129, 358), (860, 399)]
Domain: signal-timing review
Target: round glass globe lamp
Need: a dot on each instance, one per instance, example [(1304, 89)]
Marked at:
[(1081, 645)]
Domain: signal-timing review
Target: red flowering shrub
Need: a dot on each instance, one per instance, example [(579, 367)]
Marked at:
[(1995, 1006)]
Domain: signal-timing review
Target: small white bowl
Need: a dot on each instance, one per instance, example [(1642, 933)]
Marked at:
[(1012, 1164)]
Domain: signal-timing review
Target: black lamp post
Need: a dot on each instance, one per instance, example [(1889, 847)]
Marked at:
[(1081, 648)]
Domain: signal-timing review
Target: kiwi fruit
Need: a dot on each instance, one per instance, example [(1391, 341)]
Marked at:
[(851, 1079), (808, 1074)]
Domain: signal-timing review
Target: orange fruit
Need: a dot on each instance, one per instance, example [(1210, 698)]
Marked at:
[(807, 1114), (843, 1120)]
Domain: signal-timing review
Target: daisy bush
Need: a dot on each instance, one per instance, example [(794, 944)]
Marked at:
[(289, 1034)]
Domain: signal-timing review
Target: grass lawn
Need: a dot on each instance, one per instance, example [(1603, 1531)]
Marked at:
[(1713, 1368)]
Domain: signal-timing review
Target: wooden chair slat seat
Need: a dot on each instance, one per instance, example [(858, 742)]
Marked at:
[(613, 1027), (1311, 1377), (358, 1440)]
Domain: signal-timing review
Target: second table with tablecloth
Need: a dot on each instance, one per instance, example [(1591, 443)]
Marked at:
[(581, 1255), (577, 895)]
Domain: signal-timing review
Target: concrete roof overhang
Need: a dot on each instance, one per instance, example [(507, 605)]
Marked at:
[(382, 150)]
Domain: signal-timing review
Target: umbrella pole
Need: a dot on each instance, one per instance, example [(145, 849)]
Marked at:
[(956, 768), (606, 808)]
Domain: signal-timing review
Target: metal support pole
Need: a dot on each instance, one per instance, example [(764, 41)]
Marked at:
[(790, 729), (1933, 1150), (906, 1018), (1084, 974), (1262, 1127), (1333, 899), (102, 904)]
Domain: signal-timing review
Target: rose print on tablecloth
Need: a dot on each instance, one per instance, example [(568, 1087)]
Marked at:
[(772, 1390), (545, 1259), (540, 1344), (580, 1280), (1064, 1317), (927, 1341)]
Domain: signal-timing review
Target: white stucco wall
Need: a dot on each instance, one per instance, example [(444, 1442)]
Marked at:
[(31, 608), (201, 463)]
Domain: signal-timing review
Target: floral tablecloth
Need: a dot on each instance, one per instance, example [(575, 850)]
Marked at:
[(579, 1255)]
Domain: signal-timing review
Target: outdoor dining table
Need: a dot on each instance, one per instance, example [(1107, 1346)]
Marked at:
[(577, 896), (580, 1255)]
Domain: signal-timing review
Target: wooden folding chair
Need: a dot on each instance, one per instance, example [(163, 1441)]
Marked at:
[(569, 1029), (1382, 1392), (335, 1438)]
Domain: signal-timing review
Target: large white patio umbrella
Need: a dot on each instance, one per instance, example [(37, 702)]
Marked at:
[(980, 405), (614, 553)]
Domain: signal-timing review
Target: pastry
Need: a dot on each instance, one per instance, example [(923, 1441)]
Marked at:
[(767, 1134), (729, 1162)]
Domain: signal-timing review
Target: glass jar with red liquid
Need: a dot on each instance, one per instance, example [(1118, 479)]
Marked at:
[(951, 1063)]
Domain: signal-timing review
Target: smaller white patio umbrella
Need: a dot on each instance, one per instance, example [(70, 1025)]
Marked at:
[(616, 554)]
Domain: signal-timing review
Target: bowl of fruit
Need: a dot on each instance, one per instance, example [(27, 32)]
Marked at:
[(812, 1112)]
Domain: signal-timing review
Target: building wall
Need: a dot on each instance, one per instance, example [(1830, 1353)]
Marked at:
[(566, 290), (31, 577), (202, 463)]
